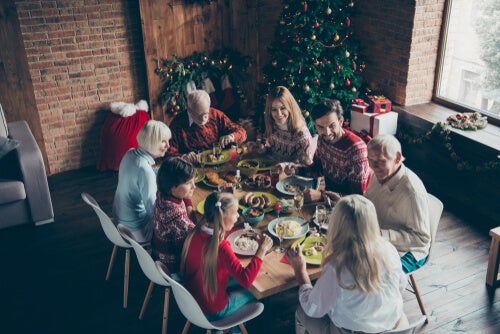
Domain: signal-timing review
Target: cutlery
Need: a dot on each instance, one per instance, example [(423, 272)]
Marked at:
[(305, 237)]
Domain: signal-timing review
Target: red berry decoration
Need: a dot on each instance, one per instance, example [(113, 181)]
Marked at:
[(296, 39), (348, 82), (316, 81)]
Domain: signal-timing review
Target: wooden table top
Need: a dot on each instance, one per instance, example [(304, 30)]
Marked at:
[(274, 275)]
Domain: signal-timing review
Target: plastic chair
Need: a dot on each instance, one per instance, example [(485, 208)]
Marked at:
[(192, 311), (410, 329), (115, 237), (435, 211), (149, 268)]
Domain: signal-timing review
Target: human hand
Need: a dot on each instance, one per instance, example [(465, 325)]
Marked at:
[(226, 140), (312, 195), (296, 258), (291, 169), (190, 157), (265, 244), (332, 196)]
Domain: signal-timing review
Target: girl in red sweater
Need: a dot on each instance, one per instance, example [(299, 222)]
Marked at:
[(212, 272)]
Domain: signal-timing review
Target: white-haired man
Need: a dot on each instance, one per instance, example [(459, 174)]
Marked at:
[(400, 199), (201, 126)]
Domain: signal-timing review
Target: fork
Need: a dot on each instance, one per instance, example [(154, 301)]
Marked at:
[(308, 233)]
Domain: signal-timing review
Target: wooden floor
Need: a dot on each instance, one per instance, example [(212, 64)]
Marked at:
[(53, 277)]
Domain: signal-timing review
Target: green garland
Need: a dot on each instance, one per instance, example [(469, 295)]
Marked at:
[(441, 129), (175, 73)]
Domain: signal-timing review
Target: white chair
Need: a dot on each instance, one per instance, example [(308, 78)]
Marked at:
[(149, 268), (435, 211), (114, 236), (410, 329), (192, 311)]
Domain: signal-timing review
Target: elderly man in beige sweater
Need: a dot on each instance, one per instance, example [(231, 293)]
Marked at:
[(400, 199)]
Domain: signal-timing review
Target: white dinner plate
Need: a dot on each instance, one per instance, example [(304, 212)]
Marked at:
[(272, 227), (287, 186), (233, 237)]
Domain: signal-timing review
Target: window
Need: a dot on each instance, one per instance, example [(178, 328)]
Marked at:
[(469, 67)]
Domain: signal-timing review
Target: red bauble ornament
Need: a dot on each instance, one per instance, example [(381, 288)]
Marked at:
[(296, 39), (347, 82), (348, 22), (305, 6), (316, 24), (354, 66), (316, 81), (338, 67)]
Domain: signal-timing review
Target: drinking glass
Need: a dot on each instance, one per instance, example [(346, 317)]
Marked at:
[(217, 150), (202, 159), (237, 178), (275, 176), (280, 232), (298, 201), (321, 216)]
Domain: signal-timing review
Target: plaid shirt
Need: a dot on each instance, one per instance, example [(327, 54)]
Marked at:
[(186, 138)]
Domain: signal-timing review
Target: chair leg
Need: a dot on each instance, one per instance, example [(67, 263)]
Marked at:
[(111, 262), (492, 272), (126, 277), (165, 310), (146, 299), (419, 298), (243, 329), (186, 327)]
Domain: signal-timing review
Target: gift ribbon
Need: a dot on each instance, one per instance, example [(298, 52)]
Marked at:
[(372, 121)]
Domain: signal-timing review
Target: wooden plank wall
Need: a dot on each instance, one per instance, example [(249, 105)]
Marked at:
[(177, 28), (16, 88)]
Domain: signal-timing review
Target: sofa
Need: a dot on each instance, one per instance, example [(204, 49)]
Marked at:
[(24, 190)]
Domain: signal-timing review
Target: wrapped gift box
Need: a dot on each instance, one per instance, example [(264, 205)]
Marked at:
[(379, 103), (359, 105), (375, 123)]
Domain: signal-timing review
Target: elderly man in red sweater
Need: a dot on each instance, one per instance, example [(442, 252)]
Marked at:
[(200, 127)]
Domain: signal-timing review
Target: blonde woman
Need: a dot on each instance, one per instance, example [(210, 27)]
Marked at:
[(288, 137), (212, 272), (362, 280), (136, 191)]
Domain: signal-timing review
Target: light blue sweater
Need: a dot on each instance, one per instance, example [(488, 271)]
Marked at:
[(136, 192)]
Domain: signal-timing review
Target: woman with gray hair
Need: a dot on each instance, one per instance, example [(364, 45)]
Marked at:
[(201, 126), (136, 191)]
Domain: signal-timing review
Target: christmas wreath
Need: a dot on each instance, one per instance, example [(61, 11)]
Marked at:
[(467, 121)]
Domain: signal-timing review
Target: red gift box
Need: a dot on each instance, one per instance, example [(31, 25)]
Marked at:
[(359, 105), (379, 104)]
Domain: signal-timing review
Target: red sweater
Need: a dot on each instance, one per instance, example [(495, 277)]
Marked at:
[(192, 138), (344, 164), (227, 264)]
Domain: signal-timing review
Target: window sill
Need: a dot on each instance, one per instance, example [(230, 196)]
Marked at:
[(427, 114)]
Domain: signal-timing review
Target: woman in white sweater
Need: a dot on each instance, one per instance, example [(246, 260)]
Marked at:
[(362, 281)]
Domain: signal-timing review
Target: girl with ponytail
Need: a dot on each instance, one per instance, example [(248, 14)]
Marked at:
[(212, 272)]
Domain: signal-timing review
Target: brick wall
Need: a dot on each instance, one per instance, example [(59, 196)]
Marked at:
[(82, 55), (400, 41)]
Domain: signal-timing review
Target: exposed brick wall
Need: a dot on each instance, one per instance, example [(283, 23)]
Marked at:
[(82, 55), (400, 41)]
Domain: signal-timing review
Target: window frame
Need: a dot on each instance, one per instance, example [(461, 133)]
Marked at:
[(439, 64)]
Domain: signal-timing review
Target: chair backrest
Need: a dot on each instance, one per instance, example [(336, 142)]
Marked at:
[(106, 222), (435, 211), (410, 329), (185, 301), (145, 260)]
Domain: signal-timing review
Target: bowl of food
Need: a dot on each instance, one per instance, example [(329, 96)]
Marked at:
[(248, 167), (286, 205), (253, 215)]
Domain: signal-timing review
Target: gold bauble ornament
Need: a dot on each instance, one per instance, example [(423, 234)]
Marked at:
[(347, 54), (177, 107), (328, 11), (306, 114), (354, 89), (351, 4), (332, 85), (274, 63), (313, 37), (336, 37), (306, 88)]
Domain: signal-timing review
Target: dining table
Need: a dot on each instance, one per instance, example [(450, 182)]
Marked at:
[(275, 275)]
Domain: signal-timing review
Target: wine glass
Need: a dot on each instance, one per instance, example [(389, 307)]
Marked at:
[(280, 232), (298, 201), (202, 159), (237, 178), (321, 216)]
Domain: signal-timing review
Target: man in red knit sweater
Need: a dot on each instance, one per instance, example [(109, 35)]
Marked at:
[(200, 127), (341, 156)]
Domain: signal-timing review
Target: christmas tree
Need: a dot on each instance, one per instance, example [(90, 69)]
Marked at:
[(314, 54)]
